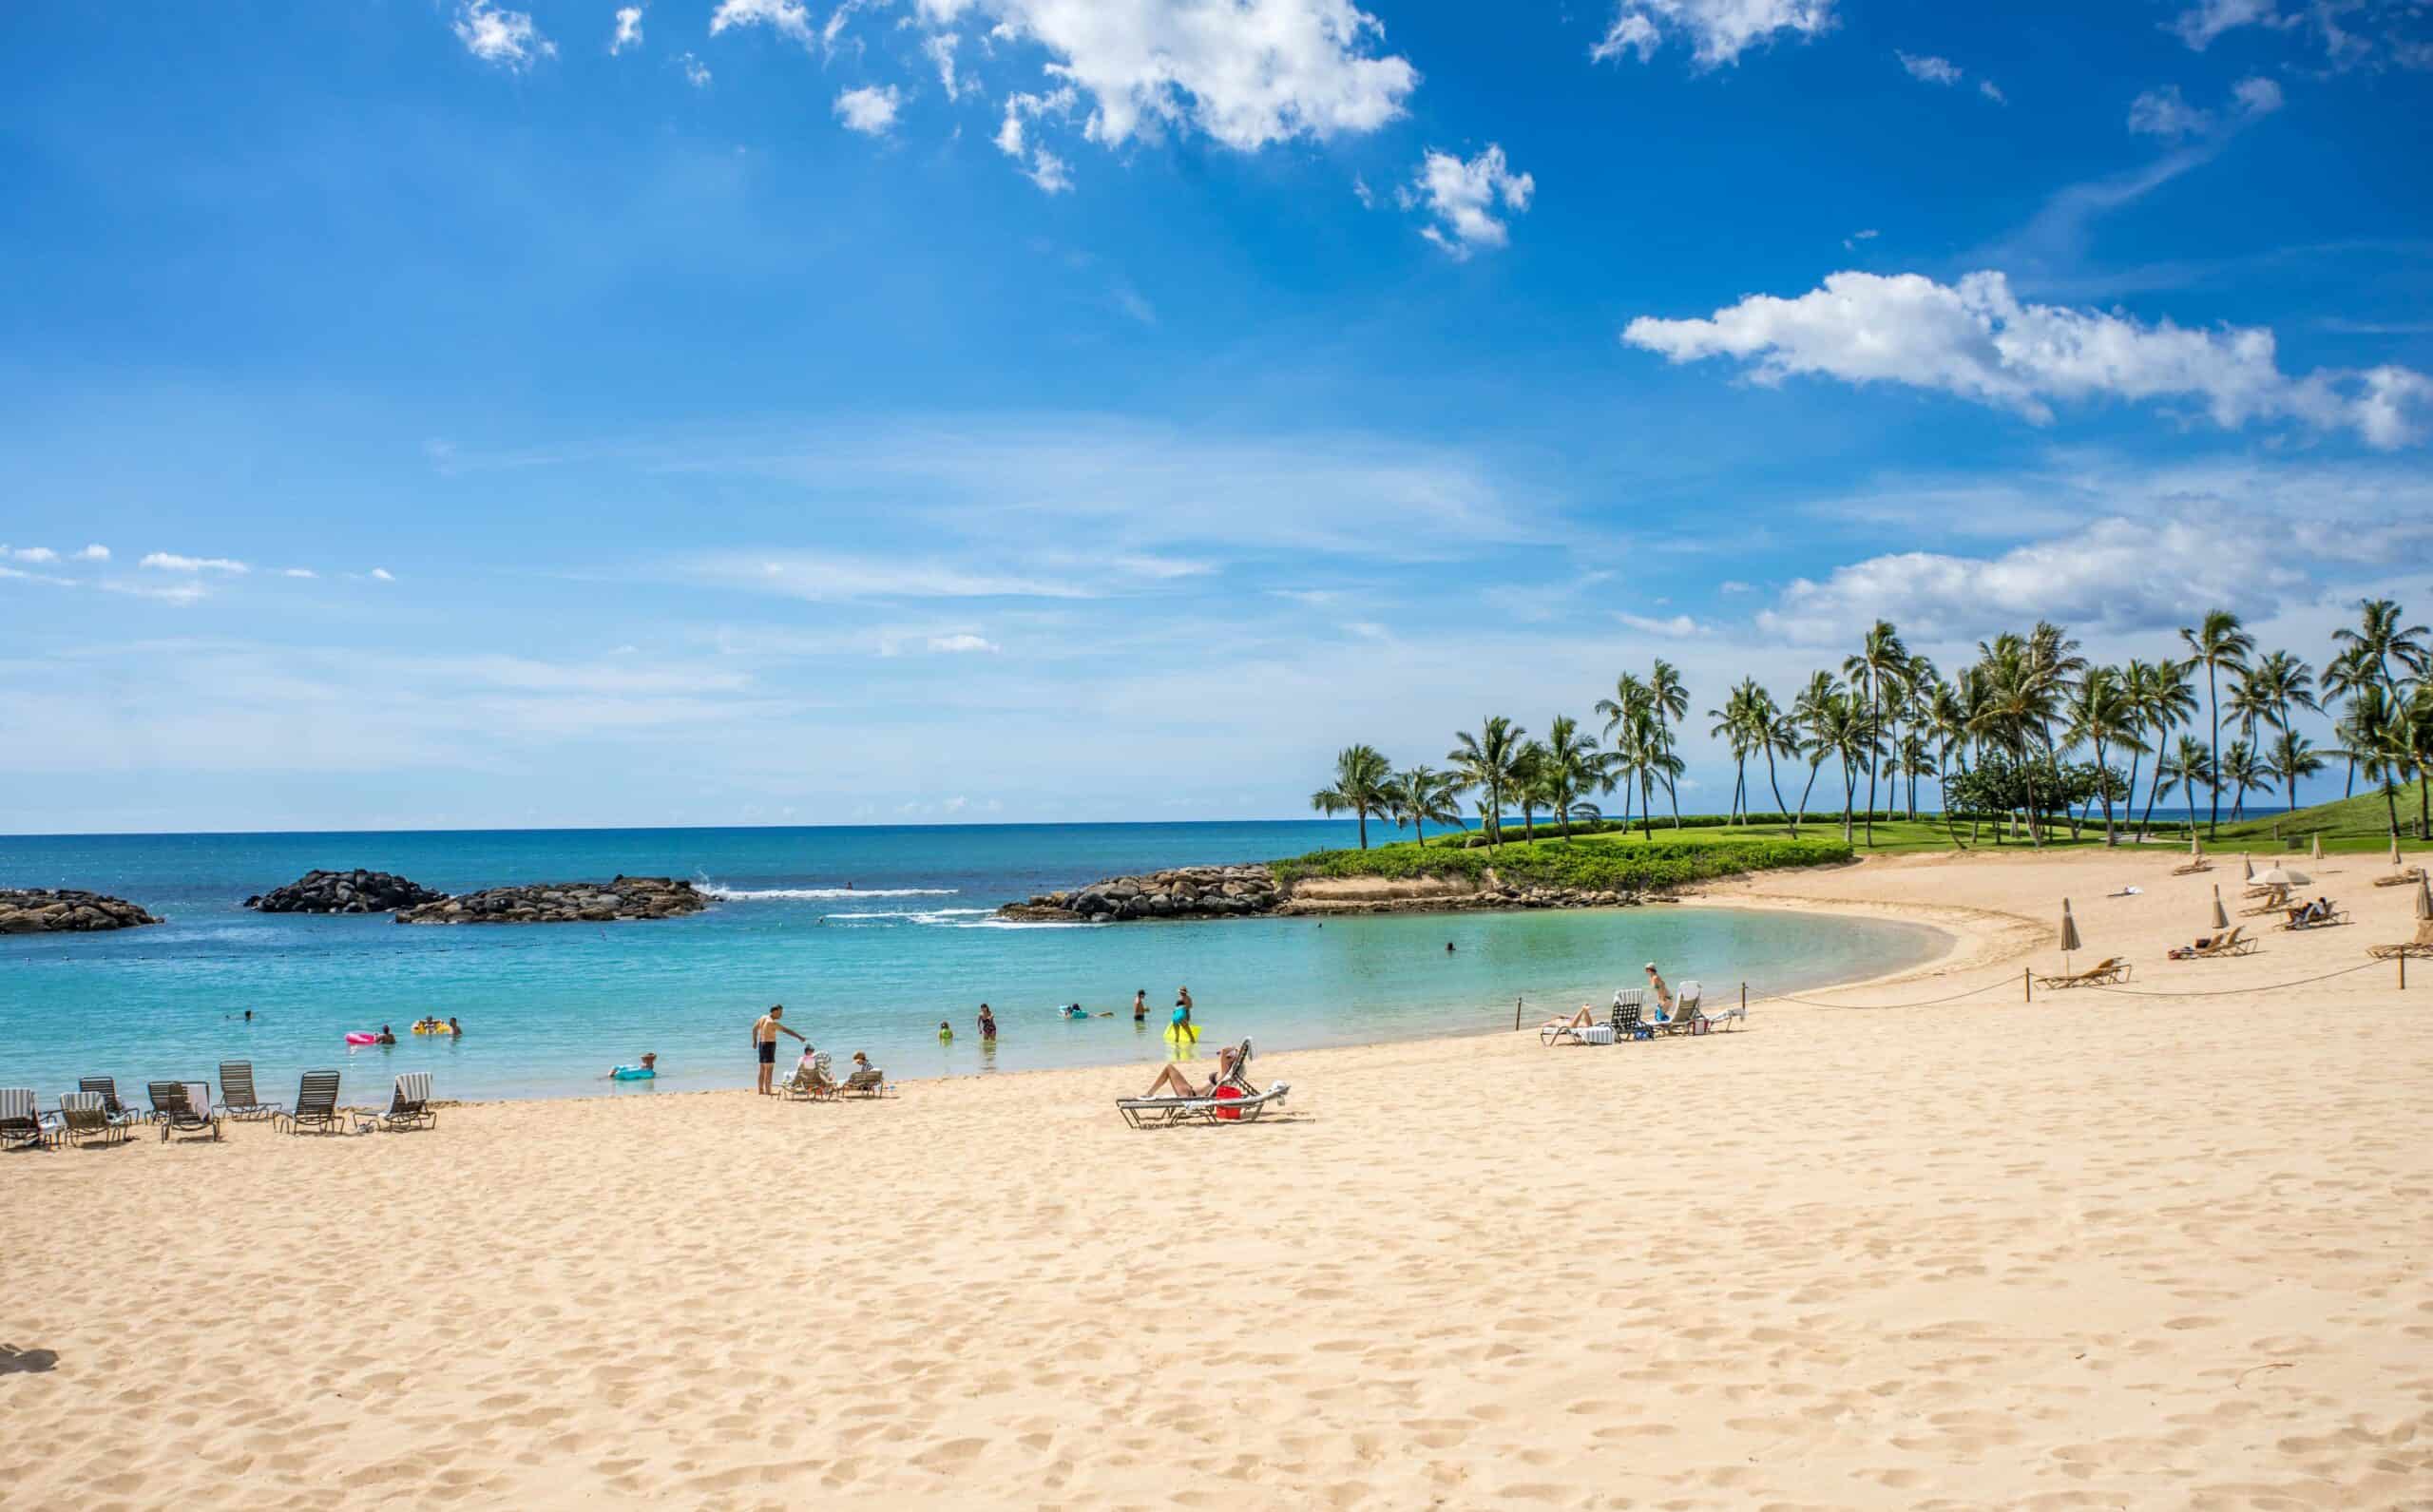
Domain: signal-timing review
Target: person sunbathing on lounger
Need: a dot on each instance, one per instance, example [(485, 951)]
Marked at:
[(1582, 1020), (1171, 1083)]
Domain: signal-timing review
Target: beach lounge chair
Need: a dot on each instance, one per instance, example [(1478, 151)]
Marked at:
[(2326, 920), (82, 1116), (2401, 879), (1627, 1026), (236, 1098), (179, 1112), (22, 1123), (2230, 943), (316, 1106), (1683, 1019), (2110, 970), (2419, 949), (811, 1086), (108, 1088), (1715, 1021), (1241, 1106), (870, 1083), (408, 1107)]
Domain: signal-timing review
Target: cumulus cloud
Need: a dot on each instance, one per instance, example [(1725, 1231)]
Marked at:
[(94, 553), (1719, 32), (869, 110), (1976, 339), (171, 562), (696, 73), (29, 553), (787, 17), (2163, 113), (1929, 69), (382, 575), (1013, 139), (1681, 625), (1463, 198), (2257, 96), (954, 644), (507, 38), (629, 29)]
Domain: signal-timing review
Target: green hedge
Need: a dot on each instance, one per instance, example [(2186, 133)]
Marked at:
[(1660, 863)]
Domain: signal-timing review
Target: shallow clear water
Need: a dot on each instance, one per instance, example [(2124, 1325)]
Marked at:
[(548, 1008)]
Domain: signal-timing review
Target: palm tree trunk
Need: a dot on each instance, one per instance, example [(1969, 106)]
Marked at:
[(2213, 697), (1772, 782), (1814, 767), (1871, 685), (2103, 781), (1364, 826), (1849, 787), (2162, 733)]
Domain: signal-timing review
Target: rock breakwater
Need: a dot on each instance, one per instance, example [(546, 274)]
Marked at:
[(355, 892), (47, 910), (564, 903), (1242, 891)]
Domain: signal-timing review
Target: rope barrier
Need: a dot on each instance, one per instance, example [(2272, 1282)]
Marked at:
[(2274, 987), (2004, 980)]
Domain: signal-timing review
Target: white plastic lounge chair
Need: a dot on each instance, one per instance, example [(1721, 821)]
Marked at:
[(408, 1107), (236, 1098), (83, 1116), (1716, 1019), (317, 1105), (1144, 1112), (22, 1123), (812, 1085)]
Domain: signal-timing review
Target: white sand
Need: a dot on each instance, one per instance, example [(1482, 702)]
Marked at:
[(2101, 1251)]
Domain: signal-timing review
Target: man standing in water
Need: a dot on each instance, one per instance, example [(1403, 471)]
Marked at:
[(765, 1030)]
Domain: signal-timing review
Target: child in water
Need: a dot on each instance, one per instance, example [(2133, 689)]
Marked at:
[(945, 1032)]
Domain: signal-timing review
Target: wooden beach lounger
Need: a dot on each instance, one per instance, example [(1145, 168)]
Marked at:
[(236, 1098), (179, 1112), (2321, 921), (316, 1106), (2401, 879), (2420, 948), (408, 1107), (870, 1083), (22, 1123), (2110, 970), (2233, 943), (83, 1116)]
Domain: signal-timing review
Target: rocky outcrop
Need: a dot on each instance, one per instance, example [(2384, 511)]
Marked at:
[(564, 903), (357, 891), (1185, 892), (1224, 893), (47, 912)]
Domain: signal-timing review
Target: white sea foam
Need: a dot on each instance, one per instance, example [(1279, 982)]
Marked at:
[(767, 894)]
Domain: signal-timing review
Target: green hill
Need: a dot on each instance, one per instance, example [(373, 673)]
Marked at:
[(2361, 823)]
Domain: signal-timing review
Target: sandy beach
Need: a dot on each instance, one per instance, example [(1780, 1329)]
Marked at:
[(2101, 1250)]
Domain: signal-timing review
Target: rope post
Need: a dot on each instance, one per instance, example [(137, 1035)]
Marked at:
[(2026, 986), (2403, 971), (1744, 1001), (1516, 1015)]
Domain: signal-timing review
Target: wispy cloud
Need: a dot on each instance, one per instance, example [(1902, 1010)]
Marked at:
[(506, 38), (953, 644), (171, 562), (1464, 198)]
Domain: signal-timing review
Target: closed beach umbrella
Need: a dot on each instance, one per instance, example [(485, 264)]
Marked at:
[(2249, 867), (2284, 877), (2221, 917), (2318, 851), (2069, 935), (2424, 899)]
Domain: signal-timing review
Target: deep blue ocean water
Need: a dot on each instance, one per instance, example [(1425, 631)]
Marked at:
[(548, 1008)]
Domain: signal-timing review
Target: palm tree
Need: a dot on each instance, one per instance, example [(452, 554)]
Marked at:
[(1571, 767), (1919, 682), (1486, 761), (2342, 677), (2187, 767), (1363, 778), (1845, 729), (2380, 640), (1423, 794), (2101, 716), (1529, 775), (2216, 642), (2292, 757), (1642, 754), (2170, 703), (1775, 736), (1882, 659), (1807, 717), (2419, 718), (1671, 701), (2379, 742), (1732, 723), (2243, 773)]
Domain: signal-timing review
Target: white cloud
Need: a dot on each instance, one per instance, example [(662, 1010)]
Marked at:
[(29, 553), (953, 644), (1462, 198), (1976, 339), (1246, 72), (183, 593), (94, 553), (1851, 241), (507, 38), (696, 73), (299, 572), (838, 579), (1679, 625), (382, 575), (1928, 68), (629, 29), (1992, 91), (940, 46), (1718, 30), (1361, 192), (2163, 113), (869, 110), (171, 562), (787, 17), (2201, 23), (1040, 165), (2257, 96)]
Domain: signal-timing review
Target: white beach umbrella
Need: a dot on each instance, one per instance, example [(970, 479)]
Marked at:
[(2221, 915), (2284, 877)]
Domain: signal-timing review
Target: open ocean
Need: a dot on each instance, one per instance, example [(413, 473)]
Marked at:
[(550, 1008)]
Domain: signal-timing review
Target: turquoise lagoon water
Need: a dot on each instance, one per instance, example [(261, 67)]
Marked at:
[(548, 1009)]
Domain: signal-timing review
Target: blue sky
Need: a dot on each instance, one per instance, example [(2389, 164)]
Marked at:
[(490, 421)]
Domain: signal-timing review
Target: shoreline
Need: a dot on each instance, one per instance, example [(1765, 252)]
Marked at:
[(1985, 1253)]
